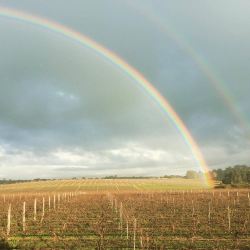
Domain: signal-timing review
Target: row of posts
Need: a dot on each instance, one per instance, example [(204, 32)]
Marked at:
[(66, 197)]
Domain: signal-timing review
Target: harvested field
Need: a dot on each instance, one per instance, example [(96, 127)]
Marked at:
[(123, 214)]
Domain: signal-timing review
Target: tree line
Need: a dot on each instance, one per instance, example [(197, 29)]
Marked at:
[(239, 174)]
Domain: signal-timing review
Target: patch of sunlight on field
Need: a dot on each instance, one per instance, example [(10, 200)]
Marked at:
[(103, 185)]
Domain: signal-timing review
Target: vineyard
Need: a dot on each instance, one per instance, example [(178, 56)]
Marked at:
[(123, 214)]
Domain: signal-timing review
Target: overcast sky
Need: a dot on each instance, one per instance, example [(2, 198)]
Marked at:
[(65, 111)]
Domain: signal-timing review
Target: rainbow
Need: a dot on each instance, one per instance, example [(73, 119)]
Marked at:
[(125, 67), (216, 82)]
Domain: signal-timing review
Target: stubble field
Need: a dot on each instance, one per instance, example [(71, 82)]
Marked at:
[(123, 214)]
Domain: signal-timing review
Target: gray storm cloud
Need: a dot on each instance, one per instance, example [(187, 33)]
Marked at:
[(64, 110)]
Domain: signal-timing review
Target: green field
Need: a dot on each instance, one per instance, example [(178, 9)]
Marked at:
[(103, 185)]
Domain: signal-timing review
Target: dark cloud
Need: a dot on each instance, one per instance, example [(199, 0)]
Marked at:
[(58, 96)]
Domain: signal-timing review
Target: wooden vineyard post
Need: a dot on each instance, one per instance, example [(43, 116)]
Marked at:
[(147, 241), (49, 203), (8, 220), (54, 202), (35, 210), (58, 200), (43, 209), (248, 198), (134, 233), (115, 205), (121, 215), (24, 219), (209, 212), (192, 208), (183, 200), (43, 206), (229, 218), (141, 240)]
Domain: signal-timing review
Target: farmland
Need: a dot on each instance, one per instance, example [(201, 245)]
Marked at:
[(123, 214)]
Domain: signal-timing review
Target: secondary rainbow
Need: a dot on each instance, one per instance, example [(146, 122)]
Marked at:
[(213, 78), (125, 67)]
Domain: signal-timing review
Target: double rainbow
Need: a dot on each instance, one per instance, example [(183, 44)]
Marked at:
[(125, 67), (213, 78)]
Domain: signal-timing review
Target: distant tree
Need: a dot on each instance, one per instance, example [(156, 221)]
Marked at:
[(227, 178), (191, 174), (219, 174), (172, 176), (237, 176), (111, 177)]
